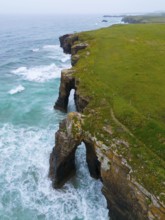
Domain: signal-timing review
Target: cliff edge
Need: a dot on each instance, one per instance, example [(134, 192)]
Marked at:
[(119, 93)]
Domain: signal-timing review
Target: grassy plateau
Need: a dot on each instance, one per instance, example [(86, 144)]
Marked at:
[(122, 71)]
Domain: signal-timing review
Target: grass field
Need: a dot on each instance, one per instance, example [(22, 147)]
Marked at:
[(124, 76)]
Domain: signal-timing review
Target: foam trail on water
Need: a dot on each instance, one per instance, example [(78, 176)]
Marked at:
[(27, 192), (18, 89), (39, 73), (53, 47)]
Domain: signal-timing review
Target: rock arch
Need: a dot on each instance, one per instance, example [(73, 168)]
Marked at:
[(66, 85), (62, 159)]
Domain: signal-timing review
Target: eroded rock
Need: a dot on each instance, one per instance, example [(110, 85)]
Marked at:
[(62, 159), (66, 85), (66, 42), (126, 199), (74, 59), (80, 101), (76, 47)]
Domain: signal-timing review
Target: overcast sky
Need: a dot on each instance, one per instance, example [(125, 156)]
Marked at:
[(79, 6)]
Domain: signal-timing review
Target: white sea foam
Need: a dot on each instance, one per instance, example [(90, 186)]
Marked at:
[(71, 103), (18, 89), (55, 52), (39, 73), (53, 47), (26, 191), (65, 58), (35, 49)]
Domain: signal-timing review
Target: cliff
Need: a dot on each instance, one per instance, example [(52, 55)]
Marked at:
[(117, 136), (138, 19)]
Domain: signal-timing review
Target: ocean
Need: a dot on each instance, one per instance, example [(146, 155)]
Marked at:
[(31, 61)]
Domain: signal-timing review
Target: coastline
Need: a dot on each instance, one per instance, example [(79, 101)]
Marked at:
[(127, 197)]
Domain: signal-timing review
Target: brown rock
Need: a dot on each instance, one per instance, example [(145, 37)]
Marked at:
[(74, 59), (81, 102), (62, 158), (76, 47), (66, 42), (67, 83), (126, 199)]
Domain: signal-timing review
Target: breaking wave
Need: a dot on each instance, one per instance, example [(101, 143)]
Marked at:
[(55, 52), (18, 89), (39, 73), (27, 192)]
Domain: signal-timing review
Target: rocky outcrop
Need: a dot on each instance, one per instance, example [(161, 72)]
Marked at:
[(66, 42), (62, 159), (80, 101), (76, 47), (127, 200), (74, 59), (104, 20), (70, 44), (67, 83)]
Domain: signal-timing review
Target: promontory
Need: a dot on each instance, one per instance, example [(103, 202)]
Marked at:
[(118, 74)]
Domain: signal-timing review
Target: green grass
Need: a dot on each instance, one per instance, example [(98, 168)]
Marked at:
[(125, 74)]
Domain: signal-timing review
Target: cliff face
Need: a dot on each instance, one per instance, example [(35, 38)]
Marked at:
[(126, 198), (70, 44)]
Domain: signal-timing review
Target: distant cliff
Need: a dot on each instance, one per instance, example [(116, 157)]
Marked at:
[(144, 19)]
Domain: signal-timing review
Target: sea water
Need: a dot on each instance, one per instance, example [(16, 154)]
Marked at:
[(31, 61)]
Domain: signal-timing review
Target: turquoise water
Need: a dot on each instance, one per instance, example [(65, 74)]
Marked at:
[(30, 65)]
